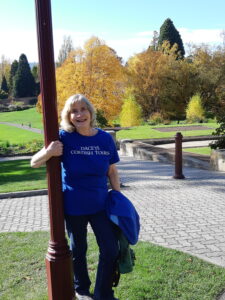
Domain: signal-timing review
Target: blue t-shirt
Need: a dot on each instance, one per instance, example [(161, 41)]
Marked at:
[(85, 163)]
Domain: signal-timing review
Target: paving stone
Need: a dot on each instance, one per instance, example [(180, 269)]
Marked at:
[(187, 215)]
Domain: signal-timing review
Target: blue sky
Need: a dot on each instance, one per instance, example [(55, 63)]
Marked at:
[(126, 26)]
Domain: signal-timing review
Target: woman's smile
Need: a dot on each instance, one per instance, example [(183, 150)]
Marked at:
[(80, 117)]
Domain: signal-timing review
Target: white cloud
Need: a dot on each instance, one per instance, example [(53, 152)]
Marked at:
[(17, 42), (197, 36), (78, 38), (128, 47)]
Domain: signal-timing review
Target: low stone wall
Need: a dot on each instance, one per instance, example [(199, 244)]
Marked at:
[(25, 100), (217, 160), (142, 150), (146, 151), (113, 134)]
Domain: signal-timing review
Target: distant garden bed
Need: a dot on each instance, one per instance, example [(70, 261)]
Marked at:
[(162, 131)]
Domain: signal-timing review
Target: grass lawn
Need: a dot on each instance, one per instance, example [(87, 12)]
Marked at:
[(17, 175), (200, 150), (139, 132), (148, 132), (159, 273), (16, 135), (24, 116)]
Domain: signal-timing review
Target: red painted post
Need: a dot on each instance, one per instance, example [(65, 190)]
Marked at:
[(178, 157), (58, 258)]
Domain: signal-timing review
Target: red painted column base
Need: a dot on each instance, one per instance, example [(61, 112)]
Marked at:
[(60, 281)]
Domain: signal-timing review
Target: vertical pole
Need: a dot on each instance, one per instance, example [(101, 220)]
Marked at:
[(58, 258), (178, 156)]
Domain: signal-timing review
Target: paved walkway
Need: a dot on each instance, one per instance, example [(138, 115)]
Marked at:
[(187, 215), (23, 126)]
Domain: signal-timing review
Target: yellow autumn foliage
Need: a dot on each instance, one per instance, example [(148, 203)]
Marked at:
[(161, 83), (195, 111), (131, 114), (96, 72)]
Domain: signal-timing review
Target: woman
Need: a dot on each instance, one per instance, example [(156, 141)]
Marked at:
[(88, 158)]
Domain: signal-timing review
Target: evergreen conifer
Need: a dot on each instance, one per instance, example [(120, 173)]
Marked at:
[(4, 85), (14, 67), (169, 33), (23, 83)]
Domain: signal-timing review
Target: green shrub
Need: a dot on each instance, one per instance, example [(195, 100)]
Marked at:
[(209, 115), (3, 94), (13, 107), (4, 144), (101, 120), (220, 131), (156, 118), (12, 149), (3, 108), (34, 146), (166, 122)]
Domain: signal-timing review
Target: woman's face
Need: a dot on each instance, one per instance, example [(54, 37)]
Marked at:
[(80, 116)]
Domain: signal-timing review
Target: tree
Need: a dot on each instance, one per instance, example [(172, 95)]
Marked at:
[(101, 120), (23, 85), (179, 81), (4, 85), (154, 42), (162, 83), (96, 72), (65, 50), (219, 111), (35, 73), (144, 72), (4, 68), (195, 111), (210, 66), (169, 33), (131, 112), (13, 69), (220, 131)]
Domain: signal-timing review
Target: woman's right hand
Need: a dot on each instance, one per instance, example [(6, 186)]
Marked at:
[(55, 148)]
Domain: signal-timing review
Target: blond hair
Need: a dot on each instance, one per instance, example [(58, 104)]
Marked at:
[(65, 114)]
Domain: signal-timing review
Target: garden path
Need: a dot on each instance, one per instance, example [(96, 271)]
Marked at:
[(22, 126)]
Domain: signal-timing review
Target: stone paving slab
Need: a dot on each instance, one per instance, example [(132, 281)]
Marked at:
[(187, 215), (24, 214)]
